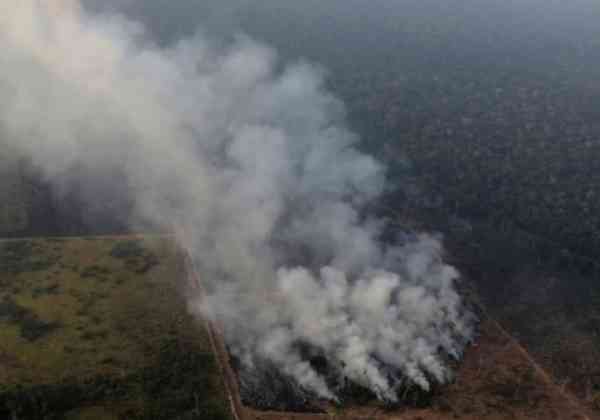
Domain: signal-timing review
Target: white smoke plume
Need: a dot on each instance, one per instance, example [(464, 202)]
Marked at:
[(257, 165)]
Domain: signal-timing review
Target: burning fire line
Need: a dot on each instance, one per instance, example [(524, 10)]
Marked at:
[(219, 348)]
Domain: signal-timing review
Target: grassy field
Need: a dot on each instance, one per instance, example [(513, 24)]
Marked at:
[(96, 329)]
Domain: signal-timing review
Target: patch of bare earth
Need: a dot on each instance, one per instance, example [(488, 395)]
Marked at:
[(497, 380)]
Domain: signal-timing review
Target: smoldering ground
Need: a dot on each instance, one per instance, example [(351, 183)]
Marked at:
[(258, 167)]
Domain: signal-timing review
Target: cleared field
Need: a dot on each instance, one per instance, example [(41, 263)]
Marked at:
[(497, 380), (94, 328)]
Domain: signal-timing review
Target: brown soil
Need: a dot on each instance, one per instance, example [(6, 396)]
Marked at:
[(496, 380)]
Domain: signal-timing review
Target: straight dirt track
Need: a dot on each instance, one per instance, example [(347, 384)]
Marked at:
[(217, 343)]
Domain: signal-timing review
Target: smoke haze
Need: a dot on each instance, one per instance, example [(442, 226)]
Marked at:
[(257, 165)]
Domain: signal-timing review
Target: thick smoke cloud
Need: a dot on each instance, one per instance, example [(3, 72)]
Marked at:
[(257, 167)]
